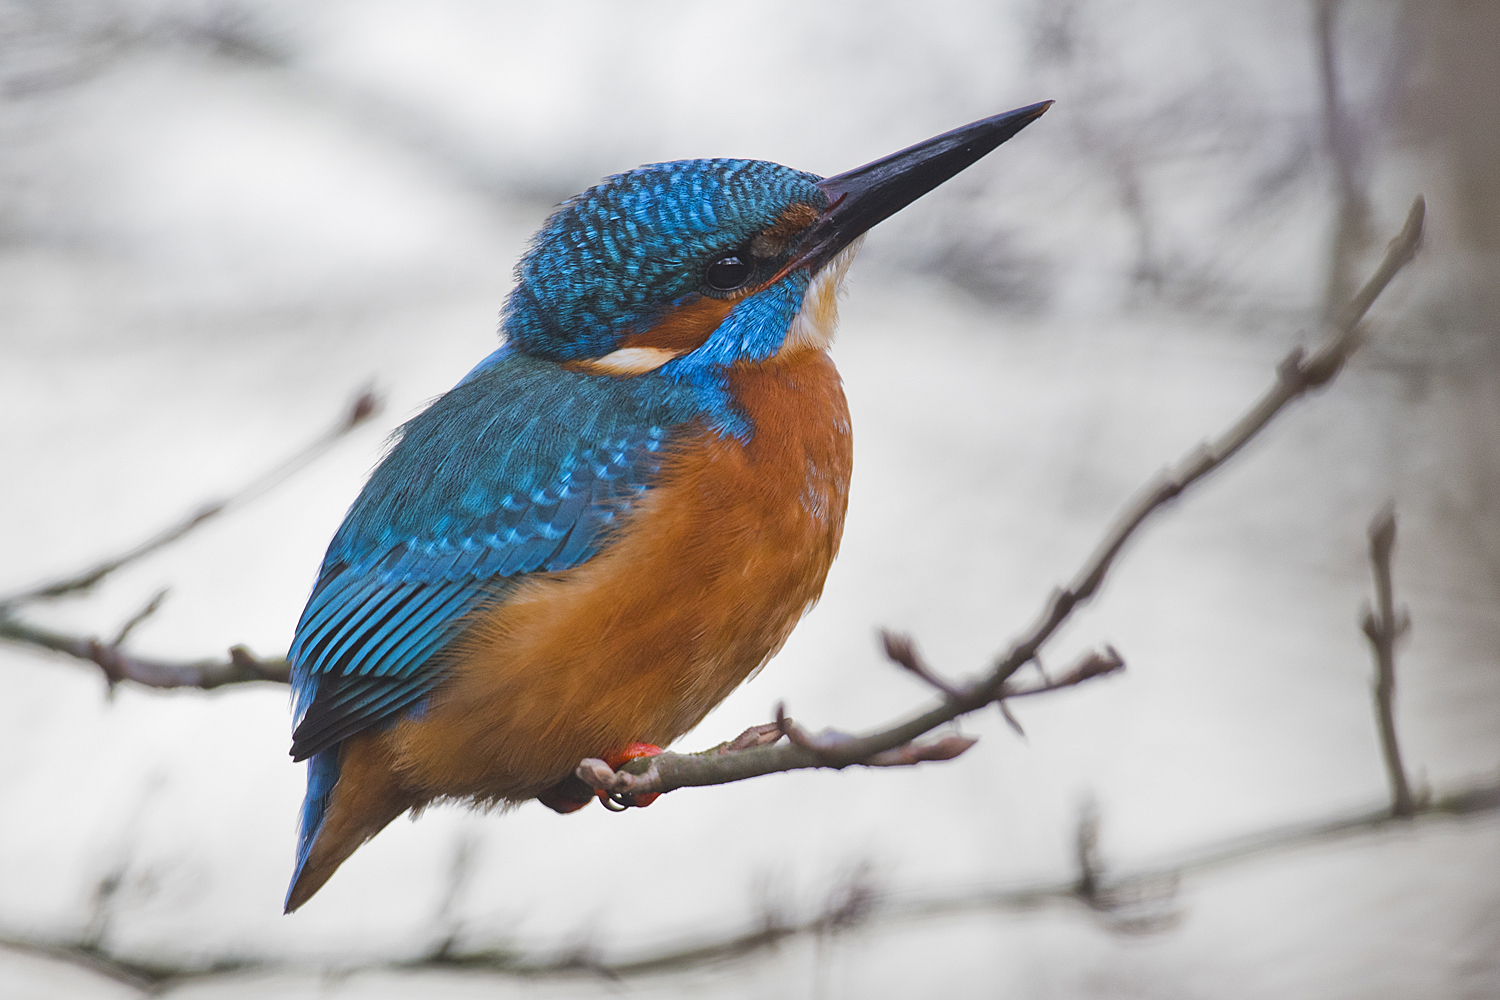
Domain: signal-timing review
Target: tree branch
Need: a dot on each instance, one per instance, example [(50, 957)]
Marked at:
[(238, 667), (1296, 375)]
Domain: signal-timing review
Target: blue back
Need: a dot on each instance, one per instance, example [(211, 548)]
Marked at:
[(524, 466)]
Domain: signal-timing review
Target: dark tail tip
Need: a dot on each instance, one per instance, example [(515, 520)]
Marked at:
[(302, 889)]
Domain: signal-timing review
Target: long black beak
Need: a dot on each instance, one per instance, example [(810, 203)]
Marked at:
[(864, 196)]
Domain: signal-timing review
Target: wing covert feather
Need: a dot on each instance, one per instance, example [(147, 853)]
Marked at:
[(523, 467)]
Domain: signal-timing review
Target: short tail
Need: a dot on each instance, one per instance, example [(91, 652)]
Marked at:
[(351, 796)]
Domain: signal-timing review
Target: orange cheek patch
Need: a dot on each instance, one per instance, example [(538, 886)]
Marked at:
[(685, 328)]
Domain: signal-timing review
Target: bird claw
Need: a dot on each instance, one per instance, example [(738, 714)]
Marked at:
[(620, 801), (755, 736), (595, 777)]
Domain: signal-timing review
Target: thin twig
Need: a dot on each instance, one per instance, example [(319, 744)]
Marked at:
[(1093, 664), (1351, 233), (1296, 375), (1384, 626), (902, 650), (1132, 905), (152, 607), (1086, 853), (364, 406)]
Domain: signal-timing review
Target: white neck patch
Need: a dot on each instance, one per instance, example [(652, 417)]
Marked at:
[(631, 361)]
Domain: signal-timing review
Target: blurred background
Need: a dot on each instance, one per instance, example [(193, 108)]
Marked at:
[(219, 219)]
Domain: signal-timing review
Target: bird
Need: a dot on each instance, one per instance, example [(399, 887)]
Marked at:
[(612, 520)]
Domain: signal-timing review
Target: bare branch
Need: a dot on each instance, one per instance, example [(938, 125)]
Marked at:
[(1118, 900), (1296, 375), (364, 406), (1384, 626), (240, 665)]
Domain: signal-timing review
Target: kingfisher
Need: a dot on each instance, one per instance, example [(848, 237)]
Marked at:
[(612, 520)]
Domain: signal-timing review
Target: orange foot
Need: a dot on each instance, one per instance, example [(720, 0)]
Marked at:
[(570, 794), (617, 760)]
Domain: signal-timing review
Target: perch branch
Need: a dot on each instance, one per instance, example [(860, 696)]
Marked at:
[(1297, 374)]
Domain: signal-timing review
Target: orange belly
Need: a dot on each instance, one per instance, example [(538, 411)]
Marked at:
[(703, 584)]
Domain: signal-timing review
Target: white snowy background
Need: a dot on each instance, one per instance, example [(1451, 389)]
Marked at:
[(219, 221)]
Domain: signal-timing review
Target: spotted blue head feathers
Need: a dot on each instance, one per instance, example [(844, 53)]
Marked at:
[(613, 260)]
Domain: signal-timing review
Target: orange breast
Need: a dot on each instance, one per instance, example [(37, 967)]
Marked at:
[(704, 583)]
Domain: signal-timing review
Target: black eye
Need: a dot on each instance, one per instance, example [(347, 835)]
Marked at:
[(727, 274)]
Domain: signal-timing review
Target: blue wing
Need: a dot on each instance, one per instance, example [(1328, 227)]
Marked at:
[(523, 467)]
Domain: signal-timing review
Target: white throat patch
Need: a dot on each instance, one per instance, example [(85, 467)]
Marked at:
[(816, 322)]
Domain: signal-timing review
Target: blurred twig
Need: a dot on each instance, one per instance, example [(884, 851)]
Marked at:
[(150, 608), (1352, 205), (1134, 905), (1132, 901), (55, 44), (364, 406), (1093, 883), (1384, 626), (1297, 374)]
